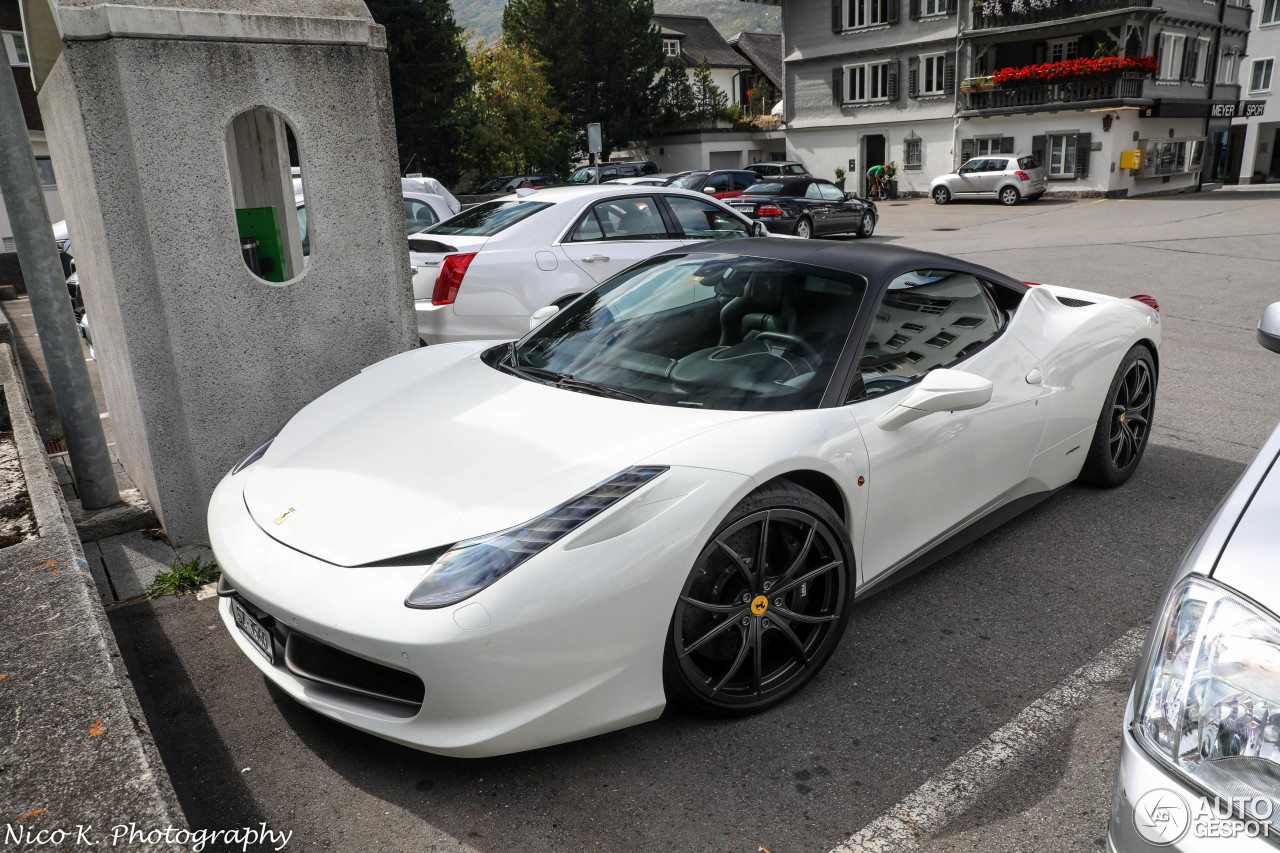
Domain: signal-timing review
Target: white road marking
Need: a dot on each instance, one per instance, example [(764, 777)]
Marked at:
[(929, 808)]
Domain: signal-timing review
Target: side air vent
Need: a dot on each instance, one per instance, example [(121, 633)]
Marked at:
[(1073, 303), (317, 661)]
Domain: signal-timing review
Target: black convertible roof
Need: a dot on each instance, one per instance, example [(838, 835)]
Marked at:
[(875, 261)]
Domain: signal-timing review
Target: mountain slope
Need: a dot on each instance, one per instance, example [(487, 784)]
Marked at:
[(484, 17)]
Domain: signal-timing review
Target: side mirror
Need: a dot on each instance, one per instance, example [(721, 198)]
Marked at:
[(1269, 327), (941, 390), (758, 229), (542, 315), (849, 196), (709, 190)]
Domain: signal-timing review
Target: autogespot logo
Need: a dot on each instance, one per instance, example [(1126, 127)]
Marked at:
[(1161, 816)]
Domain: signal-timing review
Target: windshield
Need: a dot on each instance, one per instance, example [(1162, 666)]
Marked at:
[(487, 219), (767, 188), (707, 331), (691, 181)]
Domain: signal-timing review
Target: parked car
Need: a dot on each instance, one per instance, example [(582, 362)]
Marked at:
[(422, 210), (1200, 739), (720, 183), (657, 180), (660, 493), (808, 207), (784, 169), (1008, 178), (611, 171), (483, 273), (511, 183)]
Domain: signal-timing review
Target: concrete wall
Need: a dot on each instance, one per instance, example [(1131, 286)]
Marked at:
[(201, 360)]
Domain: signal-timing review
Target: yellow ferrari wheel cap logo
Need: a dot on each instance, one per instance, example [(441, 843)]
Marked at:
[(1122, 417), (759, 604)]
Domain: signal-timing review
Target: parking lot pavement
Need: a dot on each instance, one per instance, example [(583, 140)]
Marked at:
[(928, 669)]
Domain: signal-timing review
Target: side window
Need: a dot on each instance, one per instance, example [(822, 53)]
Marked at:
[(927, 319), (831, 192), (971, 166), (633, 218), (1028, 163), (742, 180), (588, 229), (702, 220), (417, 216), (719, 183), (813, 191)]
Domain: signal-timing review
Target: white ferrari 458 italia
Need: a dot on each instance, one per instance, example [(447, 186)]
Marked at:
[(673, 489)]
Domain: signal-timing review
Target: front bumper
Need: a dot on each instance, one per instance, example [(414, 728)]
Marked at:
[(568, 645), (1139, 774)]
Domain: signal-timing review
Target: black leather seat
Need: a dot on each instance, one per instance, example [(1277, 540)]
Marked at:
[(766, 305)]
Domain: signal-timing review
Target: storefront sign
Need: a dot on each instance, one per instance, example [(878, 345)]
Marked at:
[(1237, 109)]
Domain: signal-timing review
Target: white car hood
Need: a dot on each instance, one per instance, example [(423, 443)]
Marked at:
[(434, 446)]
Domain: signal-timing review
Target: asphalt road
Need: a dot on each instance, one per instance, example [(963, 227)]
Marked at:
[(927, 669)]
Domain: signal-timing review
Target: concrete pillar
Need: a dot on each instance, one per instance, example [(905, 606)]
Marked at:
[(201, 359)]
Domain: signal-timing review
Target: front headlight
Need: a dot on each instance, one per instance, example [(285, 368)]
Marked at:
[(1210, 707), (470, 566)]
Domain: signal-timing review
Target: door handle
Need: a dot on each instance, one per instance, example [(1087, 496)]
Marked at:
[(591, 259)]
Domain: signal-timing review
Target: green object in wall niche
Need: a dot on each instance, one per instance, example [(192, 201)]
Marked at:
[(263, 224)]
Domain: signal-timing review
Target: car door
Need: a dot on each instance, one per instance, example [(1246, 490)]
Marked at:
[(930, 477), (615, 233), (992, 173), (704, 220), (968, 178), (842, 217), (816, 207)]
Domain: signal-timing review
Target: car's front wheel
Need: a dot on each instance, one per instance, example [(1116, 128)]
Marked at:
[(1125, 423), (1010, 196), (804, 228), (764, 606), (941, 195), (868, 225)]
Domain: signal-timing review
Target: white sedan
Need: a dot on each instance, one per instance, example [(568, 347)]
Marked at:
[(481, 274), (673, 489)]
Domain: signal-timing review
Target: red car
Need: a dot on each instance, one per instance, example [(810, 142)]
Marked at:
[(720, 183)]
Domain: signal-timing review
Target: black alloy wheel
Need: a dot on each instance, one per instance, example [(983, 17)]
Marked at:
[(764, 606), (1125, 423)]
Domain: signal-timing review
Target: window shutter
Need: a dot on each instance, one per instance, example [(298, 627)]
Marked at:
[(1160, 57), (1006, 145), (949, 78), (1189, 59), (837, 15), (893, 79), (892, 10), (913, 77), (1038, 146), (837, 85), (966, 150), (1084, 141), (913, 9)]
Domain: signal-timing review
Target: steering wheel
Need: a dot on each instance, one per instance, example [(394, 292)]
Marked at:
[(813, 356)]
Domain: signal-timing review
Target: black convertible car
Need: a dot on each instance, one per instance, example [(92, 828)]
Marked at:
[(807, 207)]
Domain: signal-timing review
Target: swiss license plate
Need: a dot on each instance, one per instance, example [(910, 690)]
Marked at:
[(253, 629)]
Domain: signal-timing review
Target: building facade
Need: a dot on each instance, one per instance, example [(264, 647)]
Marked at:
[(1120, 97), (1255, 138)]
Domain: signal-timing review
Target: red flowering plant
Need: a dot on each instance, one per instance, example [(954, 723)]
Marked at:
[(1102, 67)]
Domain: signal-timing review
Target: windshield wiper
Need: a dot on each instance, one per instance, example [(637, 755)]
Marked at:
[(563, 380)]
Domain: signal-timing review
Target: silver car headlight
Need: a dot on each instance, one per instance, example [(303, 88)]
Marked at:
[(1210, 706), (470, 566)]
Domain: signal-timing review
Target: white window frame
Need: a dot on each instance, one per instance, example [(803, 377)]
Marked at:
[(859, 85), (11, 41), (1267, 62), (1272, 6), (1067, 49), (1201, 71), (930, 8), (1068, 145), (1227, 67), (990, 143), (937, 63), (1173, 45), (863, 13), (671, 47)]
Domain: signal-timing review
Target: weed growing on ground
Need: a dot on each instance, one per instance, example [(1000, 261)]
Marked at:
[(183, 578)]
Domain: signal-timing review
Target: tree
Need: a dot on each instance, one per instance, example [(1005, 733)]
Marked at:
[(710, 100), (511, 125), (602, 59), (675, 91), (429, 76)]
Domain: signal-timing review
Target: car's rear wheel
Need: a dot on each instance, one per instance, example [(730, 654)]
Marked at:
[(804, 228), (1010, 196), (764, 606), (941, 195), (1125, 423), (868, 225)]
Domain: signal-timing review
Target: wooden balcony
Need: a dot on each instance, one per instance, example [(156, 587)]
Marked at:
[(1058, 94), (1054, 14)]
